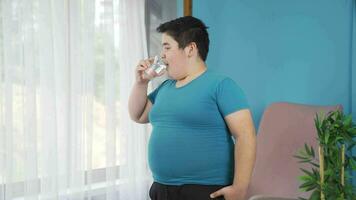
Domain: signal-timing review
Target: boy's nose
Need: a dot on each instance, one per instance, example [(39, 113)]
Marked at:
[(162, 55)]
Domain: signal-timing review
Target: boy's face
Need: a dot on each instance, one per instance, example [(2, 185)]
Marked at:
[(175, 58)]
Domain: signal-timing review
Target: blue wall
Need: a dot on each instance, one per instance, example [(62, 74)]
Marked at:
[(353, 72), (299, 51)]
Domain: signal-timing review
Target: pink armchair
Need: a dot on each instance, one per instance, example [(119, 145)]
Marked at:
[(284, 129)]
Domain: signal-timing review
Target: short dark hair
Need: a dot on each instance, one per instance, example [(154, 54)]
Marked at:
[(186, 30)]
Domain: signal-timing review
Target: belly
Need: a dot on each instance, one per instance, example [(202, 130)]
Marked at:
[(190, 154)]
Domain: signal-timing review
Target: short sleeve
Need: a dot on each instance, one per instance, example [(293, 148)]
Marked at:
[(230, 97), (152, 96)]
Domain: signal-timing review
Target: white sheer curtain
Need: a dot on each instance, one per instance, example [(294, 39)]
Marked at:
[(66, 68), (133, 47)]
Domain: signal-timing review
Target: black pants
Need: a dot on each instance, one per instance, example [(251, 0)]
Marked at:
[(184, 192)]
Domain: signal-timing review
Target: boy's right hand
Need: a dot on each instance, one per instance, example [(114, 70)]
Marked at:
[(140, 71)]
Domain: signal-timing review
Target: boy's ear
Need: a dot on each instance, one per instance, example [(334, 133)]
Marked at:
[(191, 49)]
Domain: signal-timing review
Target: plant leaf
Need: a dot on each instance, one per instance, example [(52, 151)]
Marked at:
[(307, 185), (307, 149), (300, 157), (347, 121), (314, 164), (307, 172), (312, 151), (327, 135), (312, 187), (315, 195)]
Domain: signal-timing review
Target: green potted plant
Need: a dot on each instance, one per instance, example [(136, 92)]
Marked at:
[(329, 176)]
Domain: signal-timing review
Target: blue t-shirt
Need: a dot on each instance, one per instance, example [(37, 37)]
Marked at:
[(190, 141)]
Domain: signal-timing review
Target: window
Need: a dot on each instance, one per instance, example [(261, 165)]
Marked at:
[(105, 11)]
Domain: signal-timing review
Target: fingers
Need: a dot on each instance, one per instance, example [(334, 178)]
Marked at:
[(144, 64), (147, 62), (150, 60), (217, 193), (141, 68)]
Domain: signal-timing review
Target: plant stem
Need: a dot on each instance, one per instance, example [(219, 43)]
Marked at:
[(321, 164), (343, 165), (342, 168)]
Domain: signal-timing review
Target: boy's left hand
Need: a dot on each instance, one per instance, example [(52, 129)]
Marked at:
[(230, 193)]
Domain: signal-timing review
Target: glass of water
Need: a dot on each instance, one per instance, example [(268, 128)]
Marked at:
[(157, 67)]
